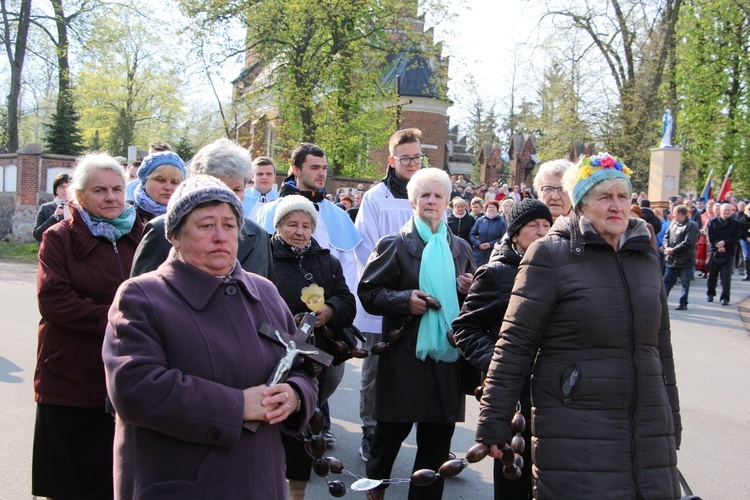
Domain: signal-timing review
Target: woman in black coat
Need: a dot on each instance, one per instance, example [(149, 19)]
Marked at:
[(54, 211), (418, 376), (589, 310), (476, 329), (460, 220), (299, 262)]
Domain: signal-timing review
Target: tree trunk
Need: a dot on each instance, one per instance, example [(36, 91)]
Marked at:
[(63, 65), (16, 58)]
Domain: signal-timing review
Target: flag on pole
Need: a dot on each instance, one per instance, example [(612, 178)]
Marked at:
[(726, 186), (706, 194)]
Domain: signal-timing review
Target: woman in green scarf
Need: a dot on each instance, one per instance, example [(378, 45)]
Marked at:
[(418, 378)]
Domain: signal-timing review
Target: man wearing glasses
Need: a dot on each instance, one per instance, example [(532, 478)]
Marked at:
[(385, 209)]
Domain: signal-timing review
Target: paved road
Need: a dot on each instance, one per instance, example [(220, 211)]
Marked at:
[(712, 350)]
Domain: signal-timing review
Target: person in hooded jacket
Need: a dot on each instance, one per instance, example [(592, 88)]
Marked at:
[(589, 311), (476, 328)]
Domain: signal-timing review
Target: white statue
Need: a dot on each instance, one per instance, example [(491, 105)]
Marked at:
[(666, 129), (285, 363)]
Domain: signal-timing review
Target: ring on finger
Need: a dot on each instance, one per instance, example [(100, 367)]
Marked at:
[(288, 407)]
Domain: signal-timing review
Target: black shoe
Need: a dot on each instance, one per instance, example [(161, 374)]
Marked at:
[(710, 298), (364, 448), (681, 307), (724, 302)]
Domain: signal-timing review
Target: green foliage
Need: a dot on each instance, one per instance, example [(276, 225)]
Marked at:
[(63, 134), (481, 128), (316, 66), (629, 44), (713, 75), (129, 88), (20, 252), (524, 121), (95, 144), (184, 148), (558, 120), (3, 128)]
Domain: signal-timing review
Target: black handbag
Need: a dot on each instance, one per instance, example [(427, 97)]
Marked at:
[(686, 489), (349, 335)]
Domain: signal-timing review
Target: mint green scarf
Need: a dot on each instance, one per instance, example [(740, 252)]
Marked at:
[(111, 229), (437, 278)]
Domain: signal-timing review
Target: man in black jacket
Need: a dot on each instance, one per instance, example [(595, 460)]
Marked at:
[(723, 235), (679, 247)]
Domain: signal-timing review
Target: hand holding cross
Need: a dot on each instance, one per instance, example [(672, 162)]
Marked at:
[(295, 345)]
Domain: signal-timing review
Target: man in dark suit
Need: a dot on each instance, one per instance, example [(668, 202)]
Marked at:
[(723, 236)]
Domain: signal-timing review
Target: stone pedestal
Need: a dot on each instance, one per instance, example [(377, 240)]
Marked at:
[(664, 175)]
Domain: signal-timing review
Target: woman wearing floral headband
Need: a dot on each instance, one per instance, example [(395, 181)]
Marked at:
[(588, 310)]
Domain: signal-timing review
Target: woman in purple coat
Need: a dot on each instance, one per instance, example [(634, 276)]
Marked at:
[(186, 366)]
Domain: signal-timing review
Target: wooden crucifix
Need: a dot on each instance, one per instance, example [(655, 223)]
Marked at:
[(296, 345)]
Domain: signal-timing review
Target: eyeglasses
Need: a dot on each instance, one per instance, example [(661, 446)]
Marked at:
[(552, 189), (405, 161)]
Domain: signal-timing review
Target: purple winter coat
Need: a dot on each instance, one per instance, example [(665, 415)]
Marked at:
[(180, 347)]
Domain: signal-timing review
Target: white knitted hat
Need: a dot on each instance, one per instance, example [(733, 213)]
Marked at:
[(292, 203)]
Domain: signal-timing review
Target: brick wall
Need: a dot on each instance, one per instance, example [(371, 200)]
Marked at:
[(434, 129), (18, 210)]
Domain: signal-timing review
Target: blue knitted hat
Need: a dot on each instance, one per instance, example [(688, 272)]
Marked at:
[(591, 170), (156, 160)]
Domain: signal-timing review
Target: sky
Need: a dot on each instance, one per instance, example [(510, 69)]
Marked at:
[(484, 40)]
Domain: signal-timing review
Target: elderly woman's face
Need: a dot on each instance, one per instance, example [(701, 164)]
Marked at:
[(529, 233), (476, 208), (208, 240), (236, 184), (459, 208), (555, 198), (431, 203), (608, 211), (490, 209), (104, 194), (296, 228), (162, 183)]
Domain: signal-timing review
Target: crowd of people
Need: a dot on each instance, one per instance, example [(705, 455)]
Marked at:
[(156, 377)]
